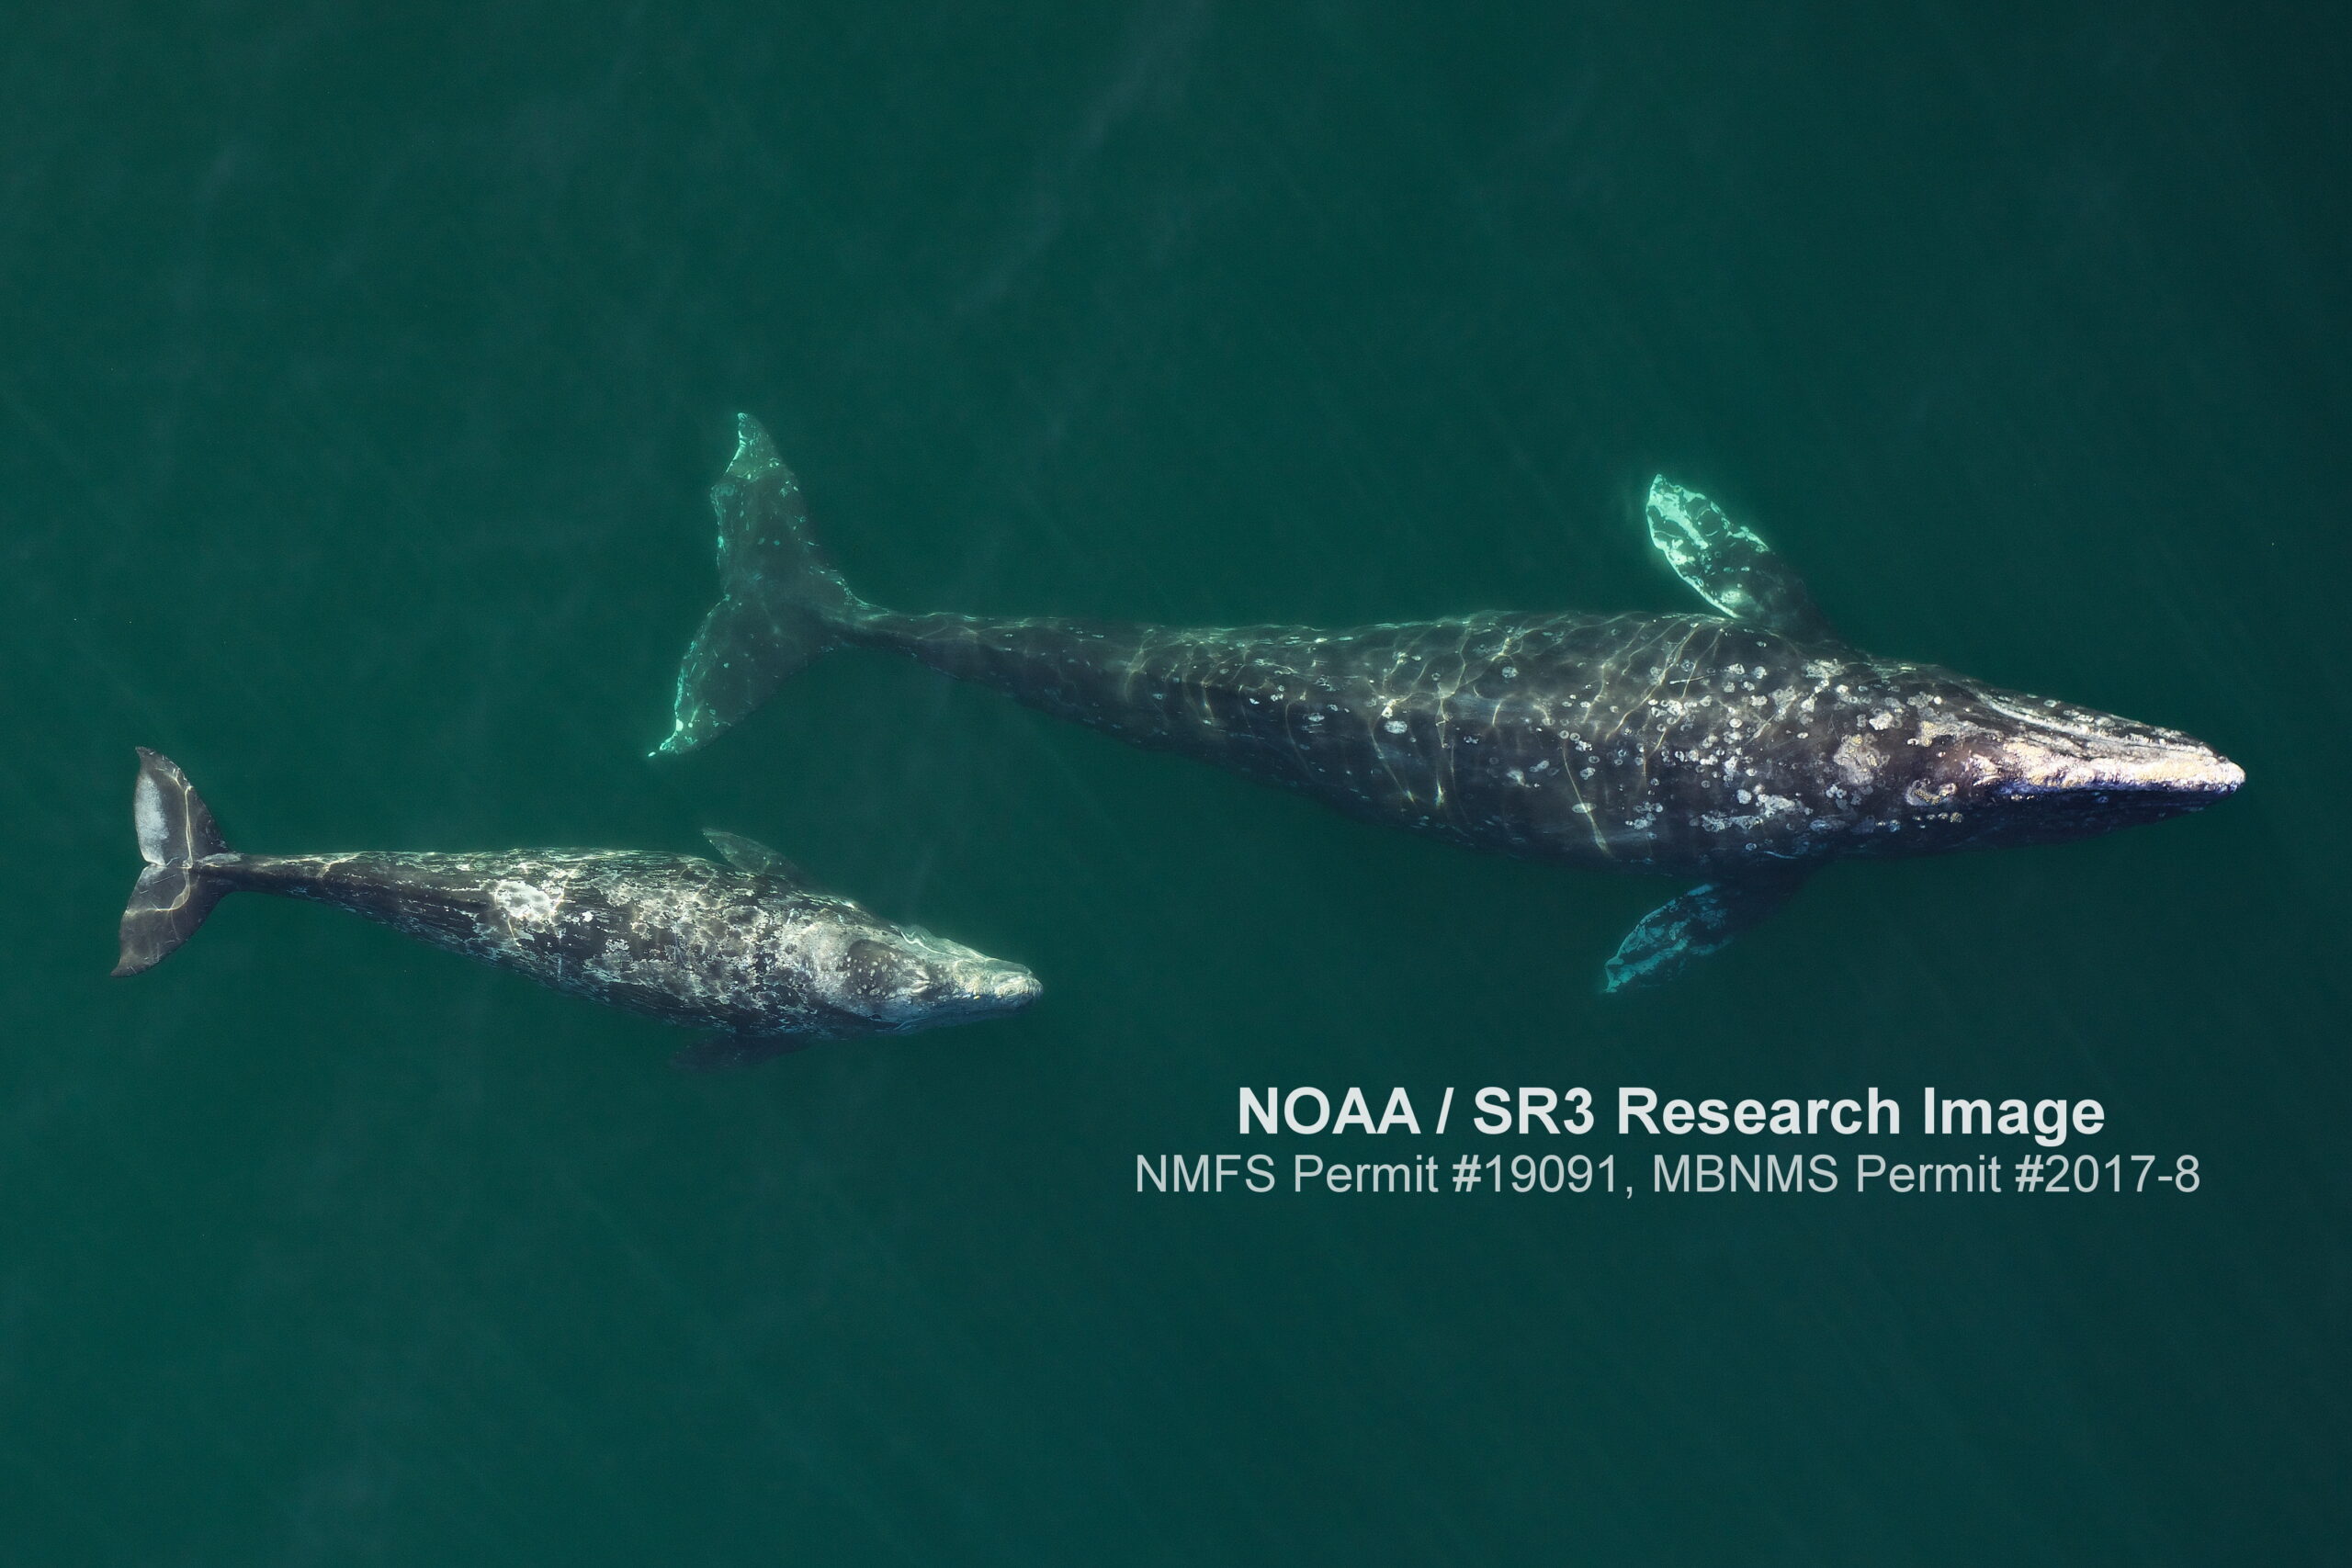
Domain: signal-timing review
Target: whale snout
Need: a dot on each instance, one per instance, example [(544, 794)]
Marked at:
[(912, 980), (996, 986), (2075, 770), (974, 989), (2196, 772), (2214, 776)]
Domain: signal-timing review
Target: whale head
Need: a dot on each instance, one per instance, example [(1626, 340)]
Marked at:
[(2001, 767), (898, 979)]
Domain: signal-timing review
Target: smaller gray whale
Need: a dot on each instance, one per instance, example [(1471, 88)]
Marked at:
[(749, 949)]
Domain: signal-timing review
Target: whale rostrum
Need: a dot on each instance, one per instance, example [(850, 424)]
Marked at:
[(750, 948), (1742, 749)]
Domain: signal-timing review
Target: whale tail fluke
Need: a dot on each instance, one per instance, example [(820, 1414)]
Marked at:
[(780, 604), (174, 893)]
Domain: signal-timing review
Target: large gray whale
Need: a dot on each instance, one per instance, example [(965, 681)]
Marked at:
[(751, 949), (1746, 748)]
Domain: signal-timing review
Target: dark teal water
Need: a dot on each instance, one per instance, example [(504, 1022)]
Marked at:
[(363, 368)]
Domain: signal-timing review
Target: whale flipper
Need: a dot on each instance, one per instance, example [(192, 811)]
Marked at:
[(1728, 566), (1696, 924), (752, 858)]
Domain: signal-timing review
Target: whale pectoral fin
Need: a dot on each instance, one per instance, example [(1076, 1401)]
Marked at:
[(727, 1052), (1728, 566), (752, 858), (1696, 924)]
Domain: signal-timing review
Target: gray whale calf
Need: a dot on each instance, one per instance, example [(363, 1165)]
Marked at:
[(1746, 748), (748, 948)]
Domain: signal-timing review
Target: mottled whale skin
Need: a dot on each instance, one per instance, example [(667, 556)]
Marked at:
[(1747, 747), (750, 948)]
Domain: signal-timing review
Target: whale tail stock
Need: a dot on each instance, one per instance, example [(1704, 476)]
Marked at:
[(174, 894), (780, 605)]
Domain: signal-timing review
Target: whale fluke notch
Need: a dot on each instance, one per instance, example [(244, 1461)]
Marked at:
[(1729, 566), (754, 859), (1664, 941)]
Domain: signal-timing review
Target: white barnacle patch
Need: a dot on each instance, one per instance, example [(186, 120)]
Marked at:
[(526, 905), (1857, 760), (1395, 727), (1949, 729)]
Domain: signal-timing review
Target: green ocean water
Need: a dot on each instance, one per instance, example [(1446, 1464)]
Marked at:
[(361, 369)]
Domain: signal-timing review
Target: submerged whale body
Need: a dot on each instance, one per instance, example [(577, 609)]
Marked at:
[(748, 948), (1746, 748)]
